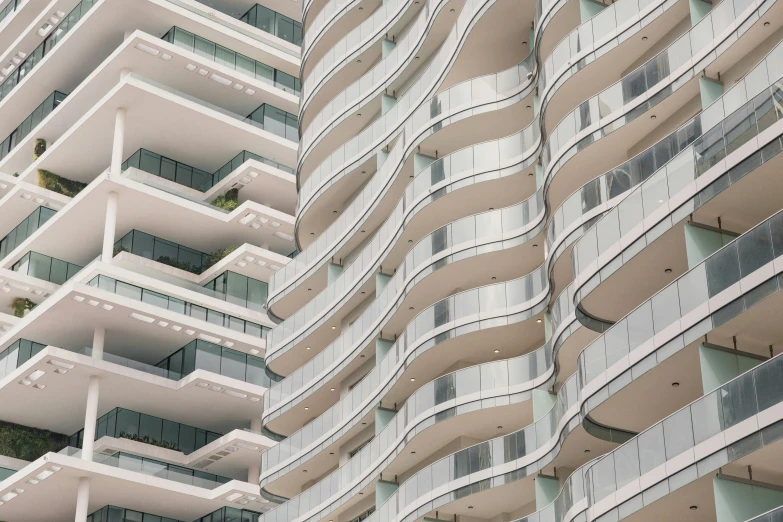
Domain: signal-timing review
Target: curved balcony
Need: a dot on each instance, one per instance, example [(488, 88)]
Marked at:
[(582, 208), (464, 240), (739, 144), (608, 41), (432, 403), (702, 300), (389, 19), (472, 97), (369, 88), (464, 169), (384, 384), (670, 78)]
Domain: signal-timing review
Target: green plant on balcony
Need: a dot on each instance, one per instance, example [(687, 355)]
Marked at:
[(55, 183), (20, 305), (147, 440), (228, 201), (25, 443), (40, 148), (216, 256), (182, 265)]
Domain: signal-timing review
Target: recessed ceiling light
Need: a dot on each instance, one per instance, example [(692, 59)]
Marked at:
[(653, 117), (675, 385), (538, 321), (766, 24), (497, 351), (331, 389), (500, 427), (644, 38), (413, 379), (694, 508), (668, 271), (333, 327), (587, 451)]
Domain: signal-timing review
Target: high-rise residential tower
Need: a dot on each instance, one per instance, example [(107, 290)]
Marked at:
[(539, 270), (147, 195)]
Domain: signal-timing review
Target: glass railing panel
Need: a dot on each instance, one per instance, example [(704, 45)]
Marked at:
[(229, 514), (17, 354), (775, 515), (240, 290), (274, 23), (449, 387), (128, 363), (731, 132), (5, 472), (163, 251), (276, 121), (203, 355), (178, 305), (749, 106), (31, 122), (57, 34), (128, 424), (25, 229), (232, 59), (160, 469), (45, 267), (743, 397), (8, 8), (167, 168), (118, 514), (484, 157), (612, 100), (235, 162)]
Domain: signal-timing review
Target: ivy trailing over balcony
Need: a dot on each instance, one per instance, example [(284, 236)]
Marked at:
[(228, 201), (147, 440), (55, 183), (51, 181), (20, 305), (26, 443)]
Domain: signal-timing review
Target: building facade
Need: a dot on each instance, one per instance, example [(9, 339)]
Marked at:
[(538, 276), (147, 195)]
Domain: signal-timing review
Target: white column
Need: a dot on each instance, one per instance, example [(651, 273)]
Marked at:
[(98, 338), (109, 227), (82, 500), (119, 142), (91, 417)]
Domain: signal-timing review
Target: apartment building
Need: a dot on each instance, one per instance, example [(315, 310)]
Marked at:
[(538, 276), (147, 195)]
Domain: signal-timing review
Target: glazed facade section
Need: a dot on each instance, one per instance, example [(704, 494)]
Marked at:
[(535, 282)]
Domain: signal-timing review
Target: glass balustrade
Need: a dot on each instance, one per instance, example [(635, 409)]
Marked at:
[(5, 472), (235, 163), (167, 252), (128, 424), (118, 514), (45, 267), (276, 121), (8, 9), (25, 229), (274, 23), (229, 514), (453, 387), (301, 381), (157, 468), (232, 59), (350, 43), (484, 157), (776, 515), (31, 122), (17, 354), (756, 93), (738, 128), (612, 102), (178, 305), (240, 290), (50, 42), (203, 355), (167, 168), (460, 96)]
